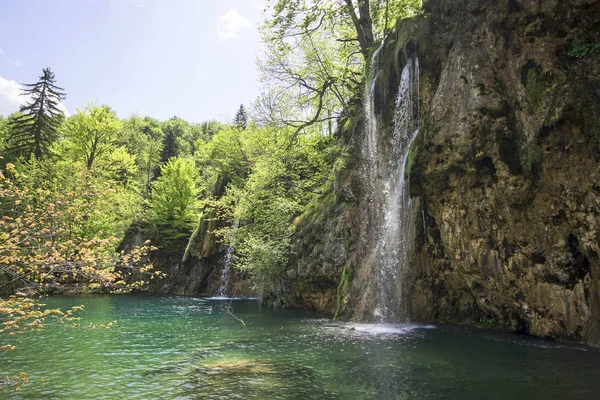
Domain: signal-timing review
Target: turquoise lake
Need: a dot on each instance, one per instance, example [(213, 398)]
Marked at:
[(172, 347)]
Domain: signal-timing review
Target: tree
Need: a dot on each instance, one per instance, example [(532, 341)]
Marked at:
[(210, 128), (316, 56), (174, 202), (268, 185), (36, 128), (143, 138), (92, 132), (179, 139), (170, 147), (241, 118), (224, 157), (3, 132), (46, 244)]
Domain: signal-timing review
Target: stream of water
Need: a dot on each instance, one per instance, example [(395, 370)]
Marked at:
[(226, 271), (191, 348), (390, 207)]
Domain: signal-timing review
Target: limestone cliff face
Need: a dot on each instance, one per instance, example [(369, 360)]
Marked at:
[(505, 173), (193, 266), (508, 172)]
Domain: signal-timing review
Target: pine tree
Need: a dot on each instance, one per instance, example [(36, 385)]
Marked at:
[(36, 127), (241, 119), (170, 147)]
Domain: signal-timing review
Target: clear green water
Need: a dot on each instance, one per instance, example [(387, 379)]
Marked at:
[(185, 347)]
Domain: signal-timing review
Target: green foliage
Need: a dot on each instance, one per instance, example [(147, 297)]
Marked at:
[(413, 152), (280, 184), (170, 148), (166, 174), (35, 128), (224, 157), (3, 133), (208, 129), (91, 133), (174, 202), (120, 166), (531, 156), (143, 138), (107, 174), (180, 138), (117, 204), (535, 87), (582, 50), (488, 321), (386, 13), (319, 49), (241, 119), (342, 291)]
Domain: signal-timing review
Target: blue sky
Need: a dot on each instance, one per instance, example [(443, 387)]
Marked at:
[(190, 58)]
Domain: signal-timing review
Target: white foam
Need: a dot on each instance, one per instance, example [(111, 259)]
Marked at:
[(222, 298), (387, 329)]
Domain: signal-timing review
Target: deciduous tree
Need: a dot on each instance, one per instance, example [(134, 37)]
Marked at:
[(92, 132), (47, 245), (174, 201), (316, 53)]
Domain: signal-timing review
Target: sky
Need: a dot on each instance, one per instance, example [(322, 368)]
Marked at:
[(195, 59)]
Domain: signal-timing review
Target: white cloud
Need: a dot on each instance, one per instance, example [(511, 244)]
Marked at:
[(18, 62), (138, 3), (1, 52), (11, 99), (230, 23)]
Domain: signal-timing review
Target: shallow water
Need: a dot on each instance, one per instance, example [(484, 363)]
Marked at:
[(186, 347)]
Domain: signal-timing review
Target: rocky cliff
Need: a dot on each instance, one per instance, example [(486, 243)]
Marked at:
[(192, 265), (504, 174)]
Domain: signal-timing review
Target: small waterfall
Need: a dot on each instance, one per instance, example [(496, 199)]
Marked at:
[(222, 292), (388, 201)]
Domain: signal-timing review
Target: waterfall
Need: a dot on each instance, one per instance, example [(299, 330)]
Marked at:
[(388, 201), (222, 291)]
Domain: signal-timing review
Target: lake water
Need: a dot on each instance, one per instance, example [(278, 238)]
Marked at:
[(192, 348)]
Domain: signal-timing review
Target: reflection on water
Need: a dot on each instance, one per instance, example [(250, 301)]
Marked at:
[(185, 347)]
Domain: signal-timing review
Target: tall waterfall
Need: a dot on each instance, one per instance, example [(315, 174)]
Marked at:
[(222, 292), (389, 204)]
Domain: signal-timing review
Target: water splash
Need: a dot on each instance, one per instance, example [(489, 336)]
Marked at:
[(388, 201), (225, 272)]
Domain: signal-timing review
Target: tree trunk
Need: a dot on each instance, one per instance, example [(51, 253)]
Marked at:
[(363, 24), (92, 156)]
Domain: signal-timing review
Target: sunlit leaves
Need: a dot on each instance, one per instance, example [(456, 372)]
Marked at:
[(51, 241), (280, 180), (174, 200), (92, 132)]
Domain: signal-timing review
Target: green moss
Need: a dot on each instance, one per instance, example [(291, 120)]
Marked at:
[(582, 50), (191, 242), (412, 30), (531, 156), (483, 91), (348, 125), (487, 321), (413, 155), (343, 288), (317, 210), (534, 87)]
